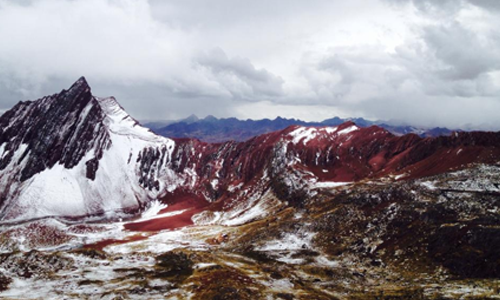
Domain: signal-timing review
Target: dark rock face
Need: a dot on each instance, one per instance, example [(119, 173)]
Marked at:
[(61, 128), (175, 265), (468, 251), (92, 166), (151, 161), (4, 282)]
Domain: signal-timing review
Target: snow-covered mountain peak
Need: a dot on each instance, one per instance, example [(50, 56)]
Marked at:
[(75, 147), (72, 154), (118, 121)]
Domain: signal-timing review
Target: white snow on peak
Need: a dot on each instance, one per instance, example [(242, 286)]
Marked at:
[(330, 130), (2, 149), (303, 134), (59, 191), (120, 122), (118, 174), (306, 134), (348, 130)]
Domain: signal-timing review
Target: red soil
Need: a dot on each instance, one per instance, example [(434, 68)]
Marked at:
[(104, 243), (180, 200)]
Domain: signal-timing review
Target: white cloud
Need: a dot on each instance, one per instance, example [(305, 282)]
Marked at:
[(425, 62), (239, 76), (106, 40)]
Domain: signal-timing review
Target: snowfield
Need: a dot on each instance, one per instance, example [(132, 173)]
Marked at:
[(60, 191)]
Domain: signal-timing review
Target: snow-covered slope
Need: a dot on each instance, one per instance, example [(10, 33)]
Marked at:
[(102, 144)]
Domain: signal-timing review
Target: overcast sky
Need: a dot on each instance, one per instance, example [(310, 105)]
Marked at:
[(421, 62)]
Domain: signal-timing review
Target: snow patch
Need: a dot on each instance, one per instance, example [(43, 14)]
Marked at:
[(329, 184), (233, 188), (153, 209), (397, 177), (323, 261), (193, 237), (348, 130), (289, 242), (214, 183), (256, 206), (428, 184), (2, 149), (330, 130), (303, 134), (161, 216), (206, 217)]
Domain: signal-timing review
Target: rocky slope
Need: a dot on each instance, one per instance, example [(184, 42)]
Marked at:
[(95, 206), (430, 238), (72, 154)]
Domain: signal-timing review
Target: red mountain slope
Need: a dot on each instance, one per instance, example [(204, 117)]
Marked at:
[(241, 180)]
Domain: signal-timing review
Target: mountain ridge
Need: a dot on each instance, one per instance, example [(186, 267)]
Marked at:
[(306, 211), (68, 146), (92, 150), (211, 129)]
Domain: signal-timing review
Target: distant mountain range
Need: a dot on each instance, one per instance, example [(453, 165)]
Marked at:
[(212, 129)]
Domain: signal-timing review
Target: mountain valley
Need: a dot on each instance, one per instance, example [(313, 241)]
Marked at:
[(95, 206)]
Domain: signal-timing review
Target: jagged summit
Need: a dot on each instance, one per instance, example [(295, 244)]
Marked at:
[(118, 121), (79, 87), (57, 129), (71, 145), (80, 83)]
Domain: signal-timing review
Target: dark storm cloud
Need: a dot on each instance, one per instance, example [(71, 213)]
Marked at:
[(487, 4)]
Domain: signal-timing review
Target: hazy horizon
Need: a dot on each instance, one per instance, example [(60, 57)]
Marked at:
[(388, 122)]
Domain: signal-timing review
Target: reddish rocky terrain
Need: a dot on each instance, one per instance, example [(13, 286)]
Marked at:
[(310, 211)]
